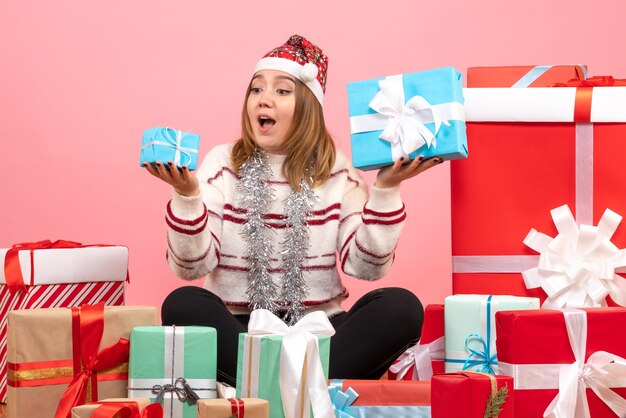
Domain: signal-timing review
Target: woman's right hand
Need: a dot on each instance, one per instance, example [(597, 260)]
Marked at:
[(184, 182)]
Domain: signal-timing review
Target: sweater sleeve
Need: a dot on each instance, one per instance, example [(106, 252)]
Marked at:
[(194, 224), (369, 228)]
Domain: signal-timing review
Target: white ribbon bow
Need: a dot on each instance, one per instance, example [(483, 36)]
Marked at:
[(420, 355), (577, 268), (601, 372), (302, 381)]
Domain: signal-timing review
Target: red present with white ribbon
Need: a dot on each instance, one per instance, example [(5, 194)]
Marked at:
[(420, 361), (524, 75), (568, 363), (57, 274), (533, 150)]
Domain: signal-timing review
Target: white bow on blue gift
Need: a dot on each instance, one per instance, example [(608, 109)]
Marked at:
[(404, 124)]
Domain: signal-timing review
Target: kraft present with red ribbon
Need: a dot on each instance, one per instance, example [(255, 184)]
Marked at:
[(233, 408), (59, 358), (566, 363), (521, 76), (119, 408), (473, 395), (60, 273), (420, 361), (380, 398), (533, 150)]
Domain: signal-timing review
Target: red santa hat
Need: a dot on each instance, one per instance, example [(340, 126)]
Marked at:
[(303, 60)]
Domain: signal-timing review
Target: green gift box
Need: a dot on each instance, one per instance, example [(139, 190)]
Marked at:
[(171, 364), (258, 368), (470, 330)]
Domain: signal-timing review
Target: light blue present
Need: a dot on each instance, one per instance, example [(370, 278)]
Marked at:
[(167, 144), (405, 116)]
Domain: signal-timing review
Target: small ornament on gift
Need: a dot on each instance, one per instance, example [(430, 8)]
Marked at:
[(173, 366), (167, 144), (407, 115), (577, 268)]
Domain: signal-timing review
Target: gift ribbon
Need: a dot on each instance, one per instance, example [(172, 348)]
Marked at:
[(173, 383), (87, 330), (537, 71), (483, 359), (174, 143), (342, 401), (302, 381), (421, 357), (600, 372), (127, 410), (13, 268), (583, 191), (577, 268), (237, 407), (404, 124)]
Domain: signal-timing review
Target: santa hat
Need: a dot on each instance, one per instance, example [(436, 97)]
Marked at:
[(303, 60)]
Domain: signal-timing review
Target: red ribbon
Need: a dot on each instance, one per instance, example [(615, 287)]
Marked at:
[(236, 407), (127, 410), (584, 93), (87, 330)]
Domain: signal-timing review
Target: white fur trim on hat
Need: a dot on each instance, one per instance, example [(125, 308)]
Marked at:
[(301, 72)]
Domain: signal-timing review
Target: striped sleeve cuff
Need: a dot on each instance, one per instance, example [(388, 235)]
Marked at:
[(186, 215), (384, 207)]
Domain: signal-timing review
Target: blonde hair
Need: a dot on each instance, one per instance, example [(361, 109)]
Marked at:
[(309, 147)]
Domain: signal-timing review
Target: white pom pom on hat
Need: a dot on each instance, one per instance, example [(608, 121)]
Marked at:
[(308, 72)]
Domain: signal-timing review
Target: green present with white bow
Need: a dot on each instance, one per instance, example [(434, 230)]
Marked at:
[(470, 330), (403, 116), (174, 366), (287, 366)]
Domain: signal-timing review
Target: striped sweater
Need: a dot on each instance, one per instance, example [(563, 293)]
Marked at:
[(348, 230)]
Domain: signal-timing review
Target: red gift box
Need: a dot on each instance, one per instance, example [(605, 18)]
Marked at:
[(57, 274), (467, 394), (532, 151), (536, 347), (524, 75), (431, 345)]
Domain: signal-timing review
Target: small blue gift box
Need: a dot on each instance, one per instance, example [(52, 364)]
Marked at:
[(405, 116), (167, 144)]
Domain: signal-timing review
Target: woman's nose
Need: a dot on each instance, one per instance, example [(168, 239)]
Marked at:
[(265, 99)]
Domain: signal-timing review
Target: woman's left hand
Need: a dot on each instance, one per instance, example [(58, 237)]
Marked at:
[(393, 175)]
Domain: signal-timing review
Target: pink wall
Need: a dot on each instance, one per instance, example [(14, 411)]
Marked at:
[(80, 80)]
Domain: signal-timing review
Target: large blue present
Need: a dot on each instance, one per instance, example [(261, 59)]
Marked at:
[(405, 116), (167, 144)]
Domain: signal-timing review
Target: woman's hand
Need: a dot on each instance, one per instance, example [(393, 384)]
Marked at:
[(185, 183), (395, 174)]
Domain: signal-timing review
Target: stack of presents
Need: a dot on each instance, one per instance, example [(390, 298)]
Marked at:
[(533, 329)]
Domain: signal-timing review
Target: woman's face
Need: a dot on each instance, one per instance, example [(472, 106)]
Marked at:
[(270, 108)]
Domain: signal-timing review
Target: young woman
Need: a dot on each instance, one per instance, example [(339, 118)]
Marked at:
[(270, 218)]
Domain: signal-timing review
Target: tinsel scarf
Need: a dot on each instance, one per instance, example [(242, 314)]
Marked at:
[(256, 195)]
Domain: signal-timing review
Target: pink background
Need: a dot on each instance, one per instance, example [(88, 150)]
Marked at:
[(80, 80)]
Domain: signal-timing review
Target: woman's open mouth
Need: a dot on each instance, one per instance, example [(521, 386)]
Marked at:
[(265, 123)]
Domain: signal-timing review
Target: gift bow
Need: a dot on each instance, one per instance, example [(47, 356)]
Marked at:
[(302, 378), (12, 267), (420, 355), (577, 268), (175, 143), (87, 330), (482, 358), (127, 410), (597, 81), (405, 130), (601, 372), (181, 388), (342, 401)]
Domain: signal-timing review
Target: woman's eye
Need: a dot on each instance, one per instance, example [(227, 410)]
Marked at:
[(283, 92), (255, 90)]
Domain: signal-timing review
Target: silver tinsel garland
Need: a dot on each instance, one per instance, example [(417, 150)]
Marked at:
[(256, 195)]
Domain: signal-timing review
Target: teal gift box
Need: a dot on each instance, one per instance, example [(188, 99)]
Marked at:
[(167, 364), (470, 331), (258, 368), (167, 144), (405, 116)]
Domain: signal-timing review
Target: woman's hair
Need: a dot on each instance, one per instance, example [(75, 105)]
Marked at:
[(309, 147)]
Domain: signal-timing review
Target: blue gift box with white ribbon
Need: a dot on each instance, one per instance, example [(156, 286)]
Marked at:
[(167, 144), (405, 116)]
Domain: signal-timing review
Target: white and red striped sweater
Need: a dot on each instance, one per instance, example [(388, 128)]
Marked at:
[(347, 230)]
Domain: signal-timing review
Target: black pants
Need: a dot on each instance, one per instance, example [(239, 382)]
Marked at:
[(373, 333)]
